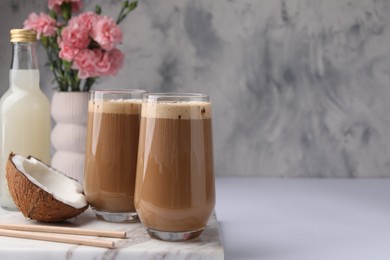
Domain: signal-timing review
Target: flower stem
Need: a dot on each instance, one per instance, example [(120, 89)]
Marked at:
[(126, 9), (88, 83)]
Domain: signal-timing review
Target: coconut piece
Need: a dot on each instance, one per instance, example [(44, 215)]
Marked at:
[(42, 193)]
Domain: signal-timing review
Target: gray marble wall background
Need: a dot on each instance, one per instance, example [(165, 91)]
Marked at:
[(299, 87)]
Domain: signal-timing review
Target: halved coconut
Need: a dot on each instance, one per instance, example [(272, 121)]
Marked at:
[(42, 193)]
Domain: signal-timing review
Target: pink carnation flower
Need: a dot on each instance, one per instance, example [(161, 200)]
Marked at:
[(85, 63), (55, 5), (75, 35), (106, 33), (97, 62), (42, 23), (102, 62), (116, 59), (67, 52), (92, 61), (88, 19)]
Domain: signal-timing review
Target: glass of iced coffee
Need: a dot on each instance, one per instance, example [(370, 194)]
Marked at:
[(111, 153), (175, 193)]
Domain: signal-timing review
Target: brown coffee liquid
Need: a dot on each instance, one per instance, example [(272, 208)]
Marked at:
[(111, 154), (175, 181)]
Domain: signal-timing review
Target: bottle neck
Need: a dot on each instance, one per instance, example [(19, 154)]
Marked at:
[(24, 56), (24, 73)]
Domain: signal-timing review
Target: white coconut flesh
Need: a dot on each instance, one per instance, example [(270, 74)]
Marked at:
[(61, 187)]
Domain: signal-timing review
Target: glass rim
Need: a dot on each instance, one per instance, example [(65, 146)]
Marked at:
[(175, 95), (118, 91)]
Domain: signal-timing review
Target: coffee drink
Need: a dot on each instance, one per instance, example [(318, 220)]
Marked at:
[(175, 180), (111, 155)]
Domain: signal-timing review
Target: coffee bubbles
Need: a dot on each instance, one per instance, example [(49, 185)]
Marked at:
[(153, 159), (175, 194), (111, 153)]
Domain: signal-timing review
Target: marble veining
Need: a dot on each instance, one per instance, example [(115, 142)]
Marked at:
[(300, 88), (137, 246)]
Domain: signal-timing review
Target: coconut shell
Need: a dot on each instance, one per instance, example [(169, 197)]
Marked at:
[(34, 202)]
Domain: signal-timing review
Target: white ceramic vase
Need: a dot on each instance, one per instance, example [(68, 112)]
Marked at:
[(68, 137)]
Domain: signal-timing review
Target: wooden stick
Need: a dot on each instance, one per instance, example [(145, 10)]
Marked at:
[(65, 230), (57, 238)]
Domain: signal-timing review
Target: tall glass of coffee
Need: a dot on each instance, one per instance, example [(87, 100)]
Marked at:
[(175, 192), (111, 153)]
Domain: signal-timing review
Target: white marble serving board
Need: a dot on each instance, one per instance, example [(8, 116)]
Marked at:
[(138, 246)]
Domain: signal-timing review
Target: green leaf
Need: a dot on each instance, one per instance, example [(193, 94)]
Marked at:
[(125, 4), (88, 83), (44, 41), (67, 65), (53, 14), (98, 9), (66, 11), (133, 5), (126, 9)]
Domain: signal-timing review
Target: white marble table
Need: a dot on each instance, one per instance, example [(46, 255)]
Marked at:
[(270, 219), (138, 246)]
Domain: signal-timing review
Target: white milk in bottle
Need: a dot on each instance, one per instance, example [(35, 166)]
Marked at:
[(24, 111)]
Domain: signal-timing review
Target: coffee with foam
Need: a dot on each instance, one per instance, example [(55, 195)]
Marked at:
[(177, 110), (175, 181), (120, 106), (111, 154)]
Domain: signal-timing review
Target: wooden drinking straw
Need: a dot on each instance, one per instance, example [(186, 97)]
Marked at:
[(65, 230), (47, 233)]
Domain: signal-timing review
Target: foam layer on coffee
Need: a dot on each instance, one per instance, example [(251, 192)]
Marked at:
[(177, 110), (121, 106)]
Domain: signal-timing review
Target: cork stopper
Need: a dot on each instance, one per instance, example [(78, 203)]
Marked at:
[(23, 35)]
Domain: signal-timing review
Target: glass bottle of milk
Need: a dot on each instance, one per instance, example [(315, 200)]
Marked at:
[(24, 110)]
